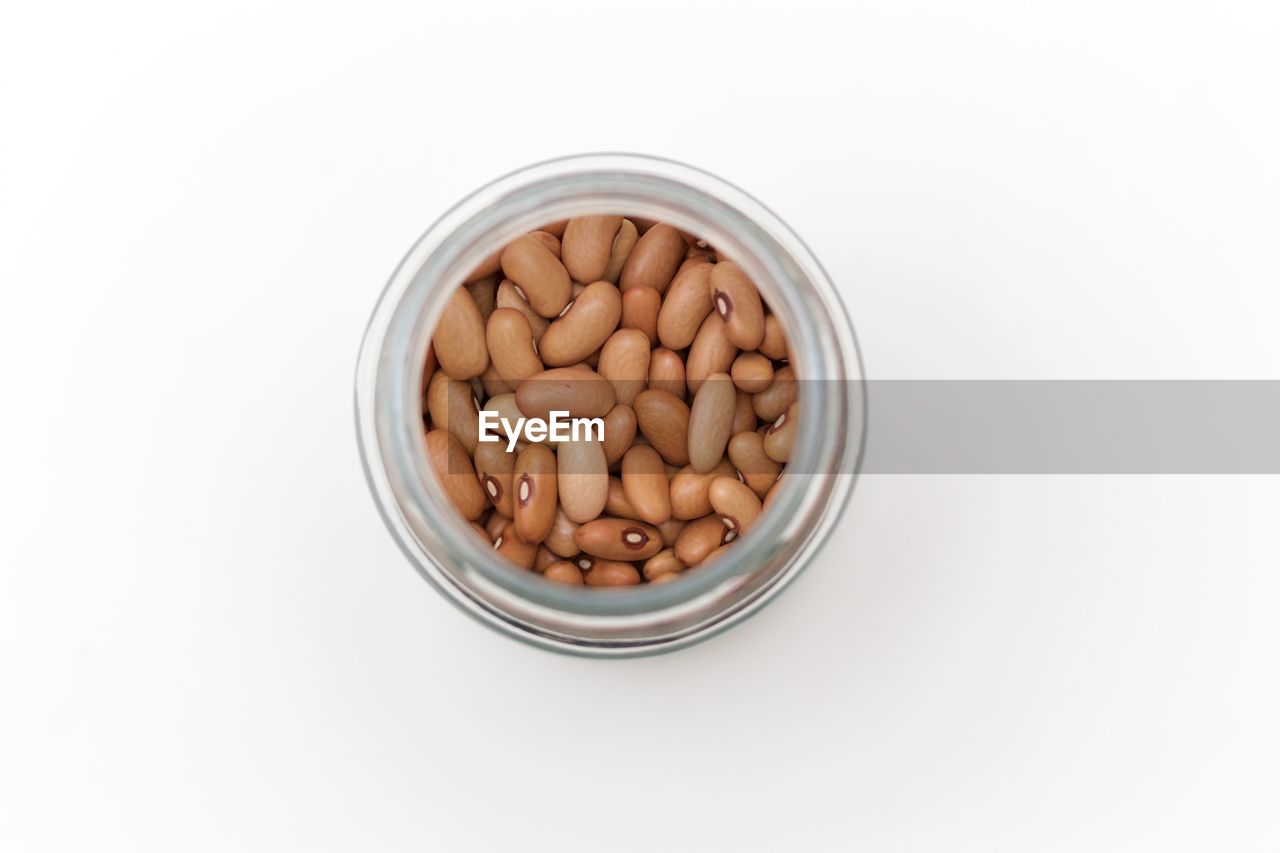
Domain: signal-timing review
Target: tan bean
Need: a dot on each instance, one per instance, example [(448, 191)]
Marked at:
[(515, 549), (452, 407), (663, 562), (689, 489), (622, 246), (711, 352), (619, 505), (781, 436), (494, 467), (428, 368), (510, 340), (744, 416), (536, 492), (551, 241), (700, 537), (752, 372), (580, 391), (562, 571), (687, 303), (495, 524), (735, 503), (710, 421), (644, 479), (456, 474), (583, 479), (774, 343), (509, 297), (618, 539), (588, 246), (543, 559), (586, 324), (493, 382), (557, 229), (611, 573), (619, 432), (459, 338), (640, 306), (654, 260), (663, 418), (559, 540), (770, 403), (624, 361), (670, 529), (759, 472), (539, 275), (484, 292), (666, 372), (738, 303)]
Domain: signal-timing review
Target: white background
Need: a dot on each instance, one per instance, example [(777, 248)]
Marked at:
[(208, 641)]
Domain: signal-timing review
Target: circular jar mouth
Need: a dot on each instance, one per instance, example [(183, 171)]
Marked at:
[(636, 620)]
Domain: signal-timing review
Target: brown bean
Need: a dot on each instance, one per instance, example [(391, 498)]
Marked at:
[(452, 407), (781, 436), (456, 474), (495, 524), (515, 549), (494, 467), (744, 416), (459, 338), (557, 229), (585, 325), (735, 503), (689, 489), (700, 537), (619, 432), (774, 343), (622, 246), (618, 505), (663, 562), (611, 573), (640, 306), (670, 529), (618, 539), (624, 361), (770, 403), (488, 267), (562, 571), (711, 352), (687, 303), (580, 391), (654, 260), (666, 372), (535, 488), (752, 372), (559, 540), (583, 479), (510, 340), (759, 472), (509, 297), (484, 292), (710, 421), (644, 479), (663, 418), (551, 241), (588, 246), (738, 303), (543, 559), (493, 382), (539, 275)]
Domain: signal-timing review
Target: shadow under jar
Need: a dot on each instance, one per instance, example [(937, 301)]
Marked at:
[(649, 618)]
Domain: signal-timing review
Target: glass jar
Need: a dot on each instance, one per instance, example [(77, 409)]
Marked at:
[(636, 620)]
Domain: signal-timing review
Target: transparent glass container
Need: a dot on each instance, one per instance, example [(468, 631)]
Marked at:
[(635, 620)]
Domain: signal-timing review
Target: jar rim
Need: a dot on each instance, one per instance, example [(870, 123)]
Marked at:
[(392, 357)]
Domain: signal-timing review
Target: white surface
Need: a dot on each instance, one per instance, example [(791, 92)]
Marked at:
[(207, 640)]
